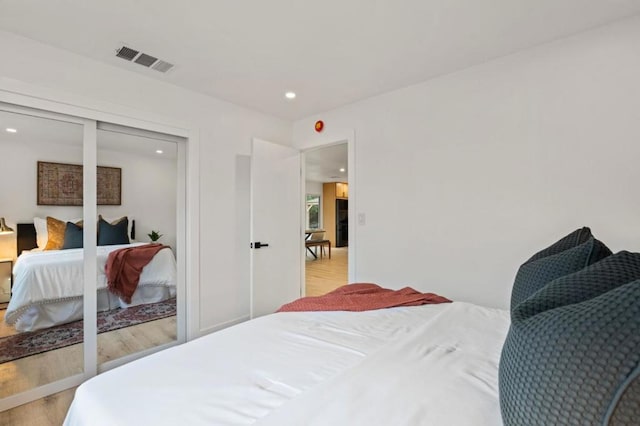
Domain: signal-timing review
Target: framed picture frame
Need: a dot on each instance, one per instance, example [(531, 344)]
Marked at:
[(60, 184), (109, 181)]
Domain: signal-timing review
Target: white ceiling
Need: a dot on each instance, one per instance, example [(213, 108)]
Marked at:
[(330, 52), (324, 164), (36, 131)]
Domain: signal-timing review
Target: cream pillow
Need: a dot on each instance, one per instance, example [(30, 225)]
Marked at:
[(42, 235)]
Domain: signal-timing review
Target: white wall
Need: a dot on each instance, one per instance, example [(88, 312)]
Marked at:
[(225, 130), (18, 174), (242, 215), (313, 188), (149, 192), (485, 166)]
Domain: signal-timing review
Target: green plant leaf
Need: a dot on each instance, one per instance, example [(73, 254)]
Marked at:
[(154, 235)]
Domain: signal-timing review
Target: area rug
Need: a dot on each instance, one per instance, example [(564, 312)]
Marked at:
[(34, 342)]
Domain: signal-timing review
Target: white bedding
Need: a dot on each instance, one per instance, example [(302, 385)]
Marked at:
[(48, 286), (426, 365)]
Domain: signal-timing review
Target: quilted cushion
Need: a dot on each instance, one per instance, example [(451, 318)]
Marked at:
[(626, 407), (566, 256), (573, 350)]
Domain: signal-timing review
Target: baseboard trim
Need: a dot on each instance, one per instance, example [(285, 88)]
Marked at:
[(222, 325)]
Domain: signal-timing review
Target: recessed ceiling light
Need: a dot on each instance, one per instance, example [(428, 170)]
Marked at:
[(342, 170), (159, 151), (11, 130), (290, 95)]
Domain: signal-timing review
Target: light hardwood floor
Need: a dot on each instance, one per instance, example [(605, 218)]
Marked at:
[(36, 370), (48, 411), (324, 275)]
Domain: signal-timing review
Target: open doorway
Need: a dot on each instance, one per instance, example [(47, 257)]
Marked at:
[(326, 219)]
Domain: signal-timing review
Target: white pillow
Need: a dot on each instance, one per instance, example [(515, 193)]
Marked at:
[(42, 236)]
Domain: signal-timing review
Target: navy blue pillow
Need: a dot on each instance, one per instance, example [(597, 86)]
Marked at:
[(73, 236), (572, 355), (111, 234), (568, 255)]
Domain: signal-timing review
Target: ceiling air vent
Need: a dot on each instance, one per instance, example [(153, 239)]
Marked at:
[(126, 53), (143, 59), (162, 66)]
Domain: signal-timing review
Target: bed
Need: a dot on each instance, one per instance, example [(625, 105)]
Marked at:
[(566, 352), (48, 285), (315, 368)]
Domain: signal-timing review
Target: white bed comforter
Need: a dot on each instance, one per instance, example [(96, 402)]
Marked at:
[(42, 277), (427, 365)]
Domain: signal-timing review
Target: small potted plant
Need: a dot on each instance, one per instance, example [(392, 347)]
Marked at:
[(154, 236)]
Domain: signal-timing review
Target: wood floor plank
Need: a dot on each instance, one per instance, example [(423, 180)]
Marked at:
[(48, 411), (324, 275)]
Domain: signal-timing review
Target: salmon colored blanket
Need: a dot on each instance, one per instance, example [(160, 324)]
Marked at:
[(363, 297), (124, 267)]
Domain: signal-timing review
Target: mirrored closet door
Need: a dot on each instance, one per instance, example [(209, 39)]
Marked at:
[(137, 205), (92, 248), (41, 254)]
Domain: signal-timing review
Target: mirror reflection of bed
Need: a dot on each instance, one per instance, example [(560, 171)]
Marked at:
[(41, 328), (149, 164), (44, 315)]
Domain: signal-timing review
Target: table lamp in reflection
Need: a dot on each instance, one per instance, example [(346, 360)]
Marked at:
[(4, 229)]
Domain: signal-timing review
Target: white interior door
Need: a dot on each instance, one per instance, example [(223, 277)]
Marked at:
[(276, 233)]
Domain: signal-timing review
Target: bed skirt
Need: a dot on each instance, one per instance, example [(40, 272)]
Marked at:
[(45, 315)]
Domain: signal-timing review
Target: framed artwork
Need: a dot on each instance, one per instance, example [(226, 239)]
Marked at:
[(109, 186), (60, 184)]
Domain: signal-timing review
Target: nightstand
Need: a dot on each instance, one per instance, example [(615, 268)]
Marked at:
[(6, 279)]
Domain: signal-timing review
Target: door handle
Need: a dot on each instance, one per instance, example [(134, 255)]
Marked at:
[(258, 245)]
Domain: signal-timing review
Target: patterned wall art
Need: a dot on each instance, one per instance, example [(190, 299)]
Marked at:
[(109, 186), (61, 185)]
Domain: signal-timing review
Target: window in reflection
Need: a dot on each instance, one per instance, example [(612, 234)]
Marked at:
[(313, 212)]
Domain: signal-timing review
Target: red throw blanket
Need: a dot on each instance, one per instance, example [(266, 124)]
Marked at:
[(124, 267), (362, 297)]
